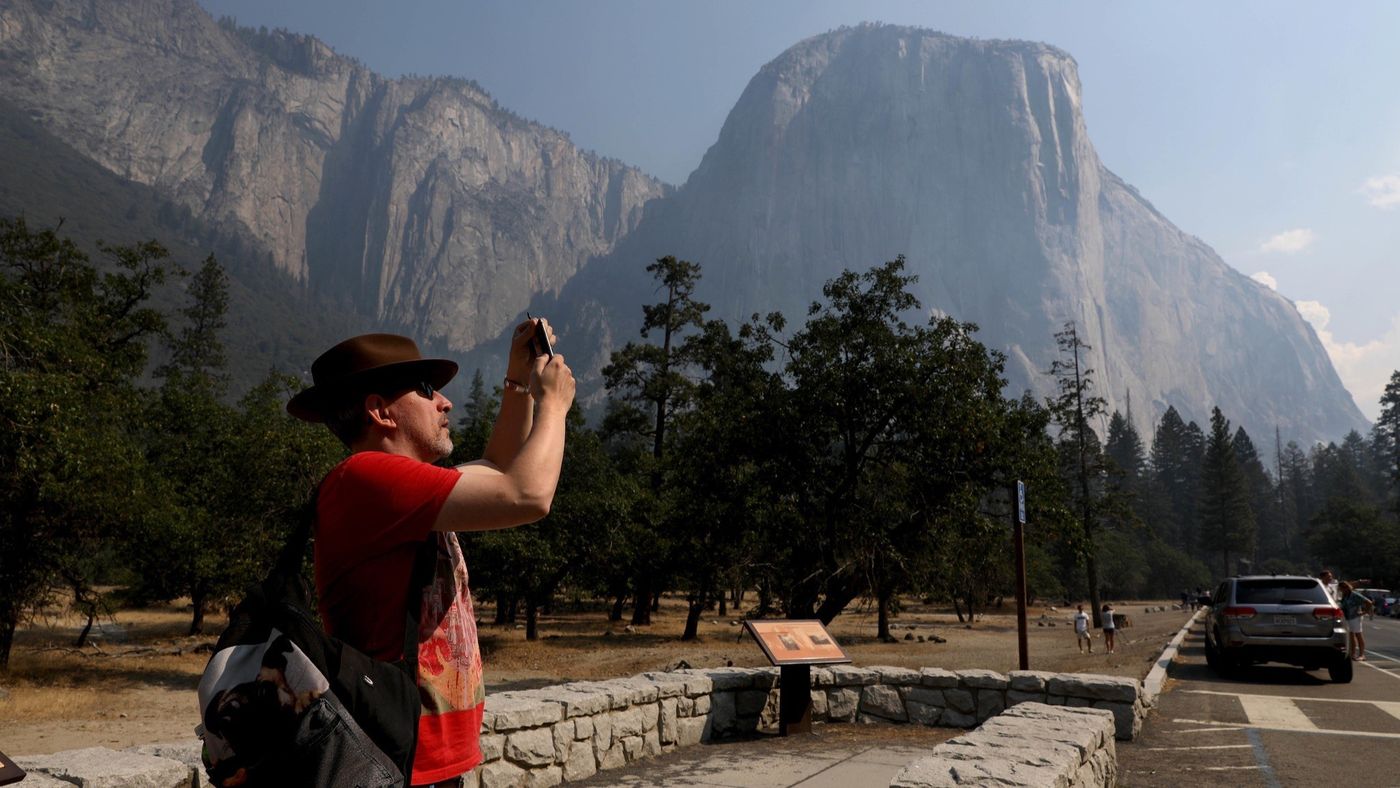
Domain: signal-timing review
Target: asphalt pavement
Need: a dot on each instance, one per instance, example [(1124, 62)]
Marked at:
[(1273, 725)]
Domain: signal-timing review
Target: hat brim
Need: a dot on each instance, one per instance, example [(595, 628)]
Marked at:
[(311, 403)]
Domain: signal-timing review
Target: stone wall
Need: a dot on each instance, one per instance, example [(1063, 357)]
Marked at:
[(571, 731), (1030, 744)]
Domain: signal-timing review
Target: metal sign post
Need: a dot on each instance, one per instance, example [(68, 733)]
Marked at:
[(795, 646), (1018, 527)]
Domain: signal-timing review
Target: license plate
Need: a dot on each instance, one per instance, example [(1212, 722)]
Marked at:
[(1285, 619)]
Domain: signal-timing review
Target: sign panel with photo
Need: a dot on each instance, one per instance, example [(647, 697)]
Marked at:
[(796, 642)]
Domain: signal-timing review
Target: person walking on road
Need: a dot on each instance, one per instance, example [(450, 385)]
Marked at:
[(1081, 631), (1353, 606), (1110, 627)]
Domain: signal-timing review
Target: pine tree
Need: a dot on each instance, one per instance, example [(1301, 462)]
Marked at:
[(1227, 524)]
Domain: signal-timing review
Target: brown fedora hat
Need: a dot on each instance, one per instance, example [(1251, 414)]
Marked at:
[(366, 361)]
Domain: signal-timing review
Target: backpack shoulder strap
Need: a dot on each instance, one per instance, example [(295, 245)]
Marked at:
[(424, 567)]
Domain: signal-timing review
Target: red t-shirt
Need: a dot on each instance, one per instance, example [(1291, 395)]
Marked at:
[(374, 511)]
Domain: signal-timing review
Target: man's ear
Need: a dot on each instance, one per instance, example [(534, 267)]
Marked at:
[(377, 409)]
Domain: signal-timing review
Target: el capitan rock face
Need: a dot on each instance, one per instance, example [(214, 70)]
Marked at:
[(419, 202), (971, 158), (422, 204)]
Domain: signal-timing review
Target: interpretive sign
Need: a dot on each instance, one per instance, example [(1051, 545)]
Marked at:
[(796, 642)]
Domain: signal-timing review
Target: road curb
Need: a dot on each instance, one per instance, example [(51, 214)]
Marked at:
[(1152, 685)]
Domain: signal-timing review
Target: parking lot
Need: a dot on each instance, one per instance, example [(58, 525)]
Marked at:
[(1273, 725)]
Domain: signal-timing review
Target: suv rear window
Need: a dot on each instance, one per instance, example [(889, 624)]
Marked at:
[(1280, 592)]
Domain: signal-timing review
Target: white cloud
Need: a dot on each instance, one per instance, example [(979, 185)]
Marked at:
[(1290, 241), (1364, 367), (1266, 279), (1382, 191)]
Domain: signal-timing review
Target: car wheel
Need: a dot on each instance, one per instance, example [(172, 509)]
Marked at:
[(1340, 670)]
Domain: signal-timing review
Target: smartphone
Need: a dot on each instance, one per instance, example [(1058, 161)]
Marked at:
[(541, 341)]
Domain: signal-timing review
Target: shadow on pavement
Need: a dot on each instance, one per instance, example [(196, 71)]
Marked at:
[(1275, 675)]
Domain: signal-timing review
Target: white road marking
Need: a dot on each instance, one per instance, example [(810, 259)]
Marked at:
[(1223, 726), (1228, 768), (1274, 712), (1288, 697), (1209, 730), (1207, 746), (1390, 657), (1389, 673)]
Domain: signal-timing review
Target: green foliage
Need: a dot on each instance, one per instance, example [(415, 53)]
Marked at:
[(71, 472)]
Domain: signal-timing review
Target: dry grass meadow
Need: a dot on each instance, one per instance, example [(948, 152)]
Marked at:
[(135, 683)]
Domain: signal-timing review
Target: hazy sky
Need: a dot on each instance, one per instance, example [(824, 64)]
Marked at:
[(1271, 130)]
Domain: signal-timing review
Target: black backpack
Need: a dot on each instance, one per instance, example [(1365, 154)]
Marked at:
[(284, 704)]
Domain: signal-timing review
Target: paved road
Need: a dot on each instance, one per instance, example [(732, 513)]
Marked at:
[(1273, 725)]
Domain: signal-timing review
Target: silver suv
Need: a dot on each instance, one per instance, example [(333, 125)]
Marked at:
[(1276, 618)]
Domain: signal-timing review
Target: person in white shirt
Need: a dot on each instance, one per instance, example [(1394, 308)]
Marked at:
[(1081, 631), (1109, 628)]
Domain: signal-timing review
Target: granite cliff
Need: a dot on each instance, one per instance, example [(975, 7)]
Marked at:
[(971, 158), (418, 202)]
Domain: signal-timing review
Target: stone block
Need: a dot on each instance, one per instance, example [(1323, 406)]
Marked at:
[(190, 753), (685, 707), (492, 746), (924, 695), (821, 677), (841, 704), (104, 768), (818, 704), (851, 676), (651, 744), (668, 685), (576, 699), (897, 676), (702, 705), (982, 679), (697, 682), (632, 747), (691, 731), (960, 700), (938, 678), (1029, 680), (1095, 687), (668, 720), (938, 771), (563, 740), (722, 715), (602, 733), (990, 703), (40, 780), (1127, 719), (614, 757), (506, 713), (532, 747), (472, 779), (634, 691), (923, 713), (750, 703), (951, 718), (501, 774), (1015, 696), (881, 700), (729, 679), (546, 777), (583, 728), (633, 721), (582, 764), (1078, 702)]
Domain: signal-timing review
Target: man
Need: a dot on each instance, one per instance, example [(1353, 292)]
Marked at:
[(1081, 631), (382, 399), (1330, 580)]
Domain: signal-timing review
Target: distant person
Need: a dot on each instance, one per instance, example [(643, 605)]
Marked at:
[(1185, 599), (375, 510), (1110, 627), (1081, 631), (1203, 598), (1353, 605)]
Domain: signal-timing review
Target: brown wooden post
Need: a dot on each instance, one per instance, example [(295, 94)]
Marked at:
[(1018, 514)]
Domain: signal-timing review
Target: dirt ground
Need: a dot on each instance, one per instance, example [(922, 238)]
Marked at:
[(134, 684)]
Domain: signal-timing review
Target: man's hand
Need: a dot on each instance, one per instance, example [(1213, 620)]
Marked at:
[(522, 357), (552, 382)]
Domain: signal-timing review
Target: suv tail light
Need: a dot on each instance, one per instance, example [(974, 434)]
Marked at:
[(1326, 613), (1239, 613)]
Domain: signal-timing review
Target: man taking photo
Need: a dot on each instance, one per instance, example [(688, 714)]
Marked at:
[(374, 511)]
